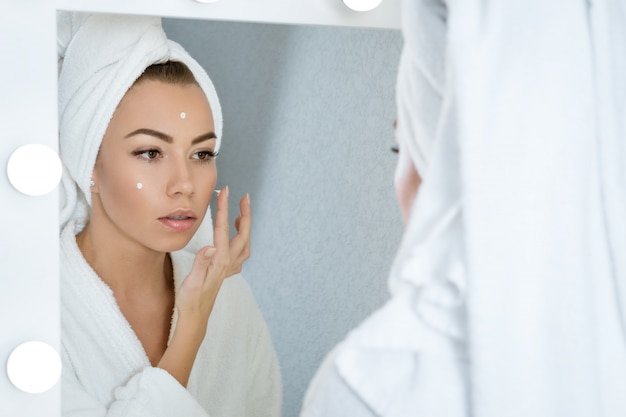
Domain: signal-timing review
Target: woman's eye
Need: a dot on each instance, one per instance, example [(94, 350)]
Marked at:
[(150, 154), (205, 155)]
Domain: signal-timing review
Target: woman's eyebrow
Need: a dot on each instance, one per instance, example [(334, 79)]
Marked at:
[(159, 135), (202, 138), (167, 138)]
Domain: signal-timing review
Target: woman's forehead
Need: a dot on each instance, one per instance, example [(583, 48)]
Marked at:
[(175, 110), (150, 99)]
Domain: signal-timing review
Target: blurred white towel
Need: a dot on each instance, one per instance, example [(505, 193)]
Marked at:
[(541, 113)]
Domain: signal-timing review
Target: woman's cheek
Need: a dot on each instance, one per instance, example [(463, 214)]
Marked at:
[(406, 181)]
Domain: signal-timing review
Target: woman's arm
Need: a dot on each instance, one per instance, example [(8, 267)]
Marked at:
[(196, 297)]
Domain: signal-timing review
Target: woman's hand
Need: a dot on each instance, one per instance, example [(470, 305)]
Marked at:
[(196, 296), (215, 263)]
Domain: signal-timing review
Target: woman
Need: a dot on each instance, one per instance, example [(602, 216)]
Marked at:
[(149, 329), (409, 357)]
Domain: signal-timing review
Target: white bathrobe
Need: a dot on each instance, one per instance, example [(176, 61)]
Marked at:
[(106, 371)]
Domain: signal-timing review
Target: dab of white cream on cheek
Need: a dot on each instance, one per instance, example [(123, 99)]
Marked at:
[(139, 186)]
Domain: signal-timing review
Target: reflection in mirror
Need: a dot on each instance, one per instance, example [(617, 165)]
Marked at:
[(149, 323), (308, 115)]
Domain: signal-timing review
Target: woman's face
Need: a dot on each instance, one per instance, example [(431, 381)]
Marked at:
[(406, 178), (155, 172)]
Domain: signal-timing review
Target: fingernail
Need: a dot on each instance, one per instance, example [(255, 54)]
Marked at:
[(248, 197), (209, 252), (226, 190)]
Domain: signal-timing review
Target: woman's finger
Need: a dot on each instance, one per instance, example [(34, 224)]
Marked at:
[(221, 232), (189, 296), (239, 249), (241, 241), (200, 265), (244, 205), (244, 220)]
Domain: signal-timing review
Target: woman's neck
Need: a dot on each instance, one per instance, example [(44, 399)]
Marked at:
[(129, 269)]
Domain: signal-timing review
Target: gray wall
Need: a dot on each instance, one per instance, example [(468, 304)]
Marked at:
[(308, 115)]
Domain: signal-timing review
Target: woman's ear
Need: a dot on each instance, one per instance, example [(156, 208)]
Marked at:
[(93, 183)]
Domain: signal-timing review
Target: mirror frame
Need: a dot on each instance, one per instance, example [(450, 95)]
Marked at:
[(318, 12)]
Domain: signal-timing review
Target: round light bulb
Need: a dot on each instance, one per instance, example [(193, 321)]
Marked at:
[(362, 5), (34, 367), (34, 169)]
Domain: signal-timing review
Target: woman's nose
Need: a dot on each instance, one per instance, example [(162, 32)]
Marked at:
[(180, 181)]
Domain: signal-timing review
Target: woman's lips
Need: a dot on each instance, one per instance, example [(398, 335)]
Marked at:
[(178, 224)]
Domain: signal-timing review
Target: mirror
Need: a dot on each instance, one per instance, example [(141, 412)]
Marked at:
[(308, 114)]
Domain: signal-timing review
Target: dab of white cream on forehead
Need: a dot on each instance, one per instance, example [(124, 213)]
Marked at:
[(183, 115)]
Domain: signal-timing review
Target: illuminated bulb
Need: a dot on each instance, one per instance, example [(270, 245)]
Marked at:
[(34, 169), (362, 5), (34, 367)]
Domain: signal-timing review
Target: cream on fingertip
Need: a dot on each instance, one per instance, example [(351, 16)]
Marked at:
[(218, 192)]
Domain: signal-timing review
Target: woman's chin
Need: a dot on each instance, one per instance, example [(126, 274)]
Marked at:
[(172, 244), (177, 241)]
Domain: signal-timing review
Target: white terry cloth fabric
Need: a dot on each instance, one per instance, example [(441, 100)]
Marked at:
[(409, 358), (541, 105), (100, 57), (107, 373)]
